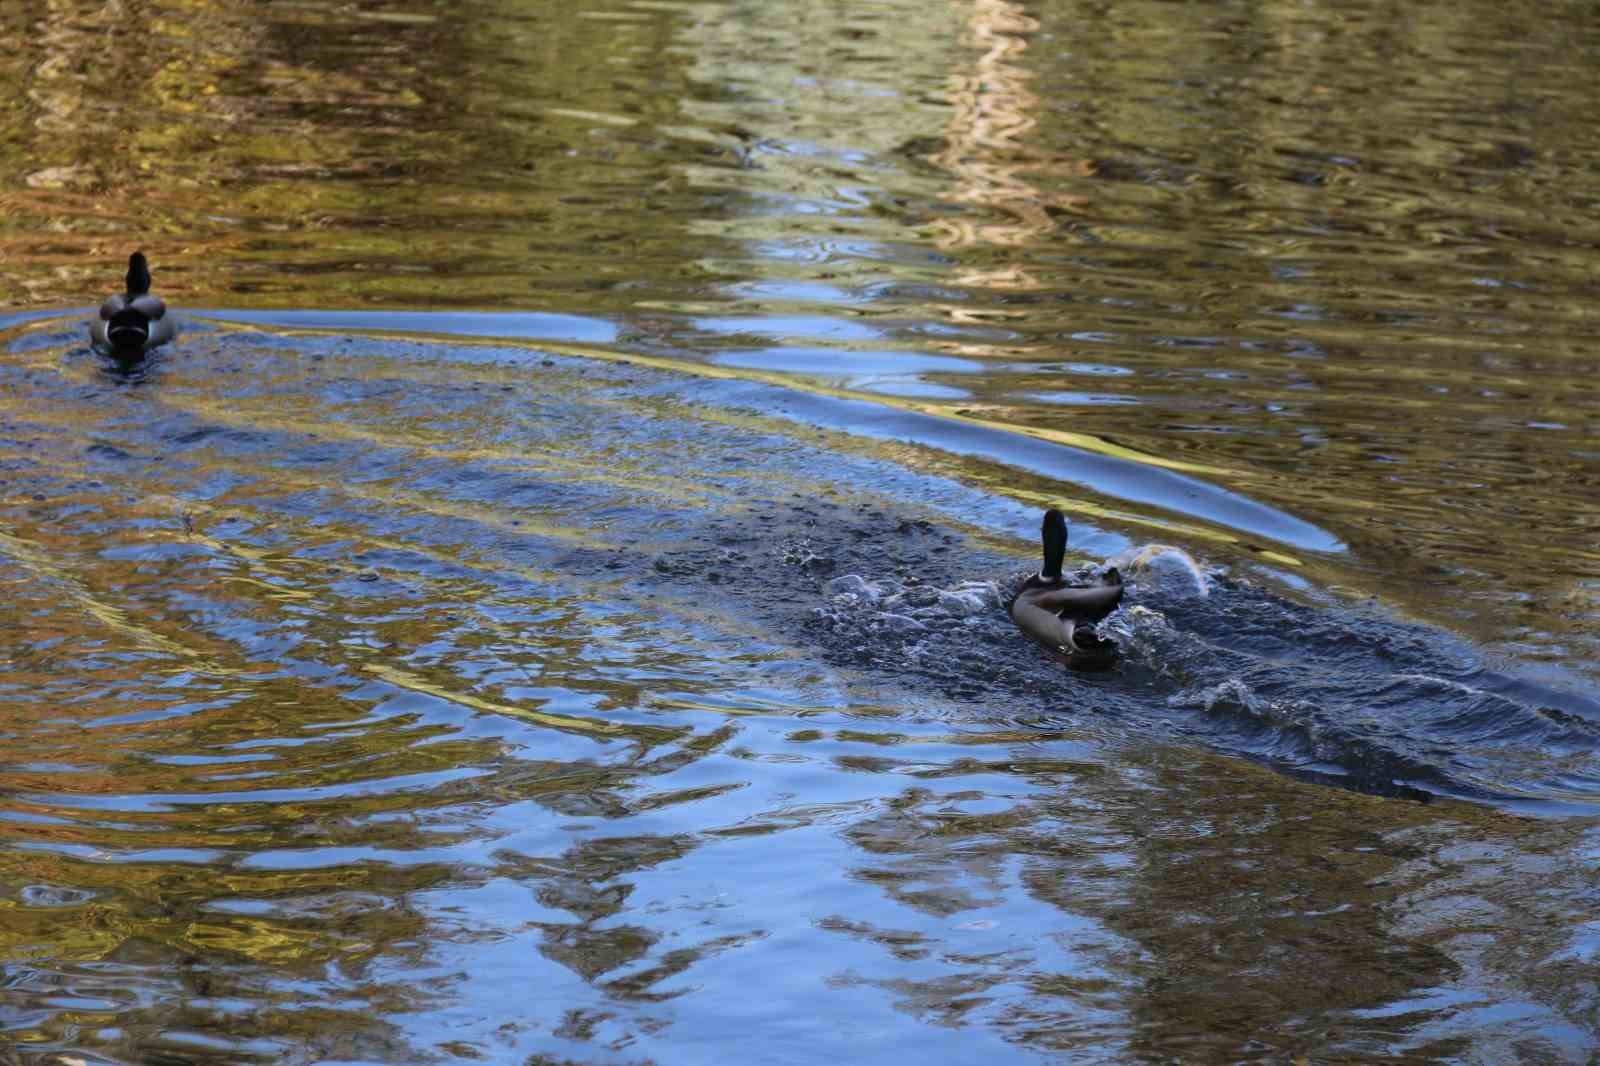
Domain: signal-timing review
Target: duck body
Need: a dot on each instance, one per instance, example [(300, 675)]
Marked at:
[(132, 323), (1061, 616)]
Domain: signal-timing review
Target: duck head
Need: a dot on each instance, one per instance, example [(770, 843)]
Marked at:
[(138, 275), (1053, 535)]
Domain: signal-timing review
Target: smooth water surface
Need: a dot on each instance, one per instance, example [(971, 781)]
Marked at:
[(548, 606)]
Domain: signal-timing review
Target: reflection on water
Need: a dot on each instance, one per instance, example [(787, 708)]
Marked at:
[(1351, 284), (382, 699), (359, 686)]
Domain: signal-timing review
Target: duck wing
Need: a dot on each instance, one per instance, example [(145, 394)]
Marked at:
[(1084, 603), (152, 307)]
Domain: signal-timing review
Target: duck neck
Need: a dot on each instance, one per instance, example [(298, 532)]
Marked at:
[(138, 275), (1054, 536)]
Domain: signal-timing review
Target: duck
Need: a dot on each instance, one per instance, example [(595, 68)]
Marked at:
[(1061, 616), (132, 323)]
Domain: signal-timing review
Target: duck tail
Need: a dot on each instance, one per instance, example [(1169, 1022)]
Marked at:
[(138, 275), (1053, 532), (128, 330)]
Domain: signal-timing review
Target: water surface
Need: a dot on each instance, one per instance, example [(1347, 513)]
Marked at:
[(547, 605)]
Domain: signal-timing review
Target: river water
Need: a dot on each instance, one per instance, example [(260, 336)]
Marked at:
[(548, 605)]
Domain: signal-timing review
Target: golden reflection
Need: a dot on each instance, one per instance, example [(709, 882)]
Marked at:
[(987, 147), (414, 682), (1080, 506), (951, 411), (1251, 888), (1201, 893), (261, 153), (41, 559)]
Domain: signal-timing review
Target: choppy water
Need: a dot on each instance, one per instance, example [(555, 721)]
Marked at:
[(548, 606)]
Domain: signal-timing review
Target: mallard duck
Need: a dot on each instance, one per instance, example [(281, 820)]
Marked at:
[(134, 322), (1060, 616)]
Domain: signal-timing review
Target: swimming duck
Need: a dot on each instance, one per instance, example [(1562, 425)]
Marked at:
[(131, 324), (1059, 615)]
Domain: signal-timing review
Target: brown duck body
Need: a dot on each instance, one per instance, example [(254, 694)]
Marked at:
[(1060, 616), (132, 323)]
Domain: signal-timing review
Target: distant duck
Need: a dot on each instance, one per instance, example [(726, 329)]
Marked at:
[(131, 324), (1061, 616)]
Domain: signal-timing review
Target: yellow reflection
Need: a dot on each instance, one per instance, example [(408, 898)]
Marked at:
[(39, 562), (949, 412), (986, 146), (597, 726)]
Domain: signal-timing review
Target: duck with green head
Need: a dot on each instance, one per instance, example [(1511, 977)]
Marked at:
[(132, 323), (1062, 616)]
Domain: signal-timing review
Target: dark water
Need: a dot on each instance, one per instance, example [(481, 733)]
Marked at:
[(547, 607)]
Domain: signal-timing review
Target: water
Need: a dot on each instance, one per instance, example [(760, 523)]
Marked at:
[(547, 607)]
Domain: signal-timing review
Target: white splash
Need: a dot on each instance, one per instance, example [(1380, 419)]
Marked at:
[(1171, 570)]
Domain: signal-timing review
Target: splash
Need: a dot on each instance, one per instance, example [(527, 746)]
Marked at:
[(1172, 571)]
